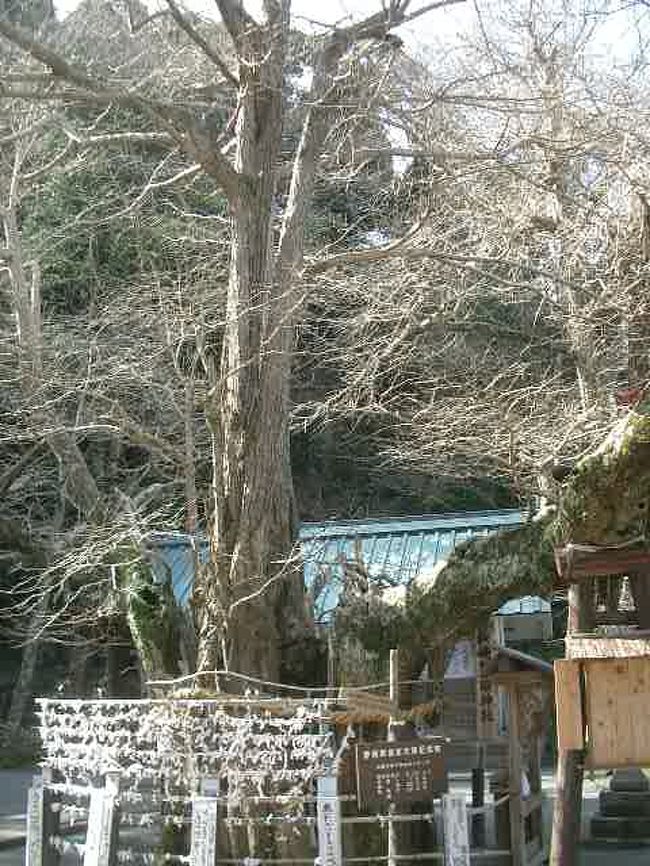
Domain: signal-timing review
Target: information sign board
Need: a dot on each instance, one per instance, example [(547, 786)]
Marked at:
[(403, 771)]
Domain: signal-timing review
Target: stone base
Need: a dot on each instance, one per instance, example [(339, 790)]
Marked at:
[(624, 804), (623, 829), (624, 810), (629, 779)]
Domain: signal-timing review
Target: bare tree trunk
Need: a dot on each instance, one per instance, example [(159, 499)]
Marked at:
[(249, 406), (567, 813), (23, 690), (253, 604), (191, 498)]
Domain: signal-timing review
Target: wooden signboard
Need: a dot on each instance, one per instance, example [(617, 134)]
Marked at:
[(568, 704), (617, 707), (400, 772), (615, 696), (203, 851), (100, 848), (35, 809), (329, 823), (455, 830)]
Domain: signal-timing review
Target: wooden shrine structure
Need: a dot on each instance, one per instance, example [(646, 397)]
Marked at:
[(602, 687)]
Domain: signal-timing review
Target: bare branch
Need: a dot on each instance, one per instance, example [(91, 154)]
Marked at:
[(202, 43), (236, 18), (192, 137)]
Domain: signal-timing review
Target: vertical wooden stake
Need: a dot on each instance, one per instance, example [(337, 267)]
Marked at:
[(478, 800), (455, 830), (393, 696), (517, 838), (35, 854), (567, 813), (330, 848)]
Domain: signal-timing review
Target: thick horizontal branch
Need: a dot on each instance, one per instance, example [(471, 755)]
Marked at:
[(119, 137)]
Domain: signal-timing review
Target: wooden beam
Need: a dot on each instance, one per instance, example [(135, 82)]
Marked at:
[(567, 812), (575, 561), (517, 835), (523, 678), (589, 646), (568, 704)]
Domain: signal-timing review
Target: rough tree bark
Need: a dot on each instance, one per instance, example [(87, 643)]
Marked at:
[(250, 603)]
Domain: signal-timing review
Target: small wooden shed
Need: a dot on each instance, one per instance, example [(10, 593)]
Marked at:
[(603, 686)]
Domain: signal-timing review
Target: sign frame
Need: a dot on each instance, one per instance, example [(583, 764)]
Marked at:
[(400, 771)]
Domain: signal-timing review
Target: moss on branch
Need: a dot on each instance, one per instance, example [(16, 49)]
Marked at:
[(605, 499), (478, 578), (152, 618)]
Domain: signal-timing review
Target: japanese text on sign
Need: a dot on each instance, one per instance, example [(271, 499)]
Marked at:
[(403, 771)]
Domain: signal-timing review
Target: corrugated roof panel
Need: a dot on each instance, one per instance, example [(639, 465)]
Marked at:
[(395, 549)]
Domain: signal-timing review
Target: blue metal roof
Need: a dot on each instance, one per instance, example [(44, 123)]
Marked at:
[(393, 551)]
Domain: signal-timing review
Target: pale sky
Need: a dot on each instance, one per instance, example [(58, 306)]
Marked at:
[(431, 27), (435, 30)]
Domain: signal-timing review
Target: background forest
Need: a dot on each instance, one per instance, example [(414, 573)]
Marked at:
[(469, 304)]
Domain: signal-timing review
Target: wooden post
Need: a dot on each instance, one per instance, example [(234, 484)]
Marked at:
[(42, 823), (455, 830), (478, 800), (103, 820), (330, 849), (203, 845), (36, 843), (517, 838), (567, 813), (393, 696), (640, 586)]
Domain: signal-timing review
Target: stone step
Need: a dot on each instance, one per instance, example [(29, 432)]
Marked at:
[(620, 828), (624, 804), (629, 779)]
